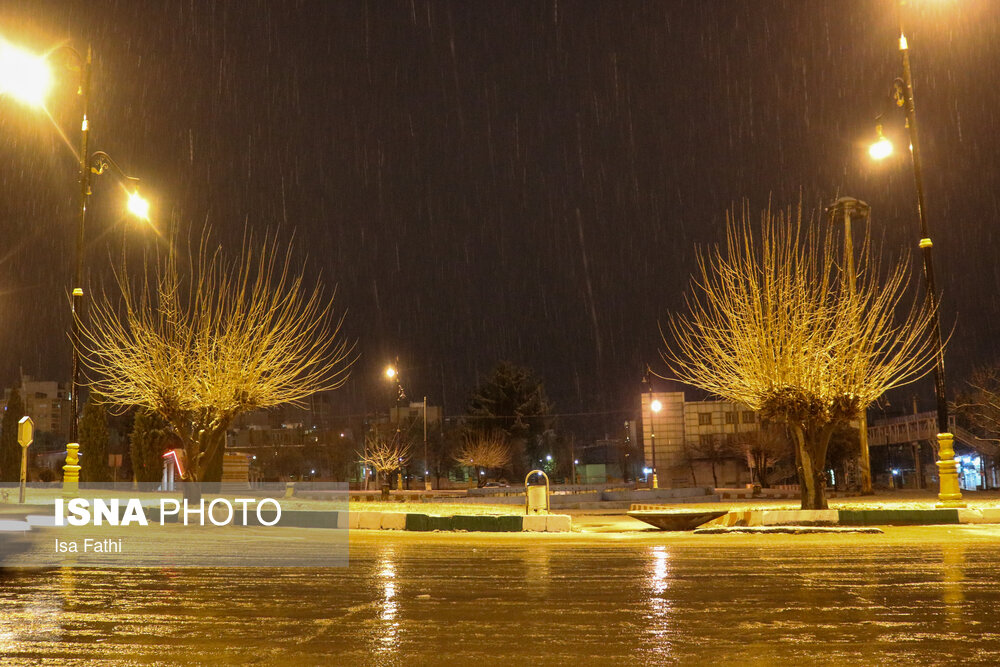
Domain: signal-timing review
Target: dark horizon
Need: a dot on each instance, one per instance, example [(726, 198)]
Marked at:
[(499, 181)]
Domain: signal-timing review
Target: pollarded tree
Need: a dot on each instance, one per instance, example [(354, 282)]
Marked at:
[(484, 451), (228, 337), (775, 324), (385, 455)]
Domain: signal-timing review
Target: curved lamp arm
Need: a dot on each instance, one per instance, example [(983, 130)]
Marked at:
[(101, 162)]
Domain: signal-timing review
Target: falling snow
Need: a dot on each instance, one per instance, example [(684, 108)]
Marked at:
[(497, 180)]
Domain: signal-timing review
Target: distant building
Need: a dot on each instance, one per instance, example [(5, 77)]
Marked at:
[(414, 414), (48, 404), (683, 432)]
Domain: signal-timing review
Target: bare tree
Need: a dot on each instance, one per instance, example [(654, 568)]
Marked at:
[(385, 455), (979, 407), (229, 337), (774, 324), (764, 449), (980, 403), (716, 449), (484, 451)]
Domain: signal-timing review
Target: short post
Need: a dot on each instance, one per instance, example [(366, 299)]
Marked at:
[(71, 471), (951, 494), (25, 436)]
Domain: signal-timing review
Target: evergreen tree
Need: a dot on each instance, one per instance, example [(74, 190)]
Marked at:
[(513, 399), (147, 442), (93, 433), (10, 450)]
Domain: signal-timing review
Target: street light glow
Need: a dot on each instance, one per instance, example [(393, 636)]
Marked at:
[(138, 206), (390, 372), (656, 406), (882, 148), (23, 75)]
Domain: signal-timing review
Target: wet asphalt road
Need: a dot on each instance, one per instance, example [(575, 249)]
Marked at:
[(912, 596)]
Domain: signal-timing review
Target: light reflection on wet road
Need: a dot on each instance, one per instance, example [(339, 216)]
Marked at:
[(932, 599)]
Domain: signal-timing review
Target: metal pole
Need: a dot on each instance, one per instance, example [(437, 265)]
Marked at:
[(24, 474), (77, 291), (850, 206), (652, 433), (950, 494), (427, 466)]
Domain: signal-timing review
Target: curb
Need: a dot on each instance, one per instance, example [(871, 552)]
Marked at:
[(513, 523), (340, 519), (868, 517)]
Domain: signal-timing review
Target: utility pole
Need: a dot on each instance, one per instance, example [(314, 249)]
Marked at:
[(848, 207)]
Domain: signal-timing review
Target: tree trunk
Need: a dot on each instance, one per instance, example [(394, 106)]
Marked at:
[(715, 478), (810, 454), (191, 492)]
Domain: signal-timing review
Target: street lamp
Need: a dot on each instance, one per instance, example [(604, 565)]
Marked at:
[(23, 75), (27, 78), (950, 495), (392, 374), (654, 408)]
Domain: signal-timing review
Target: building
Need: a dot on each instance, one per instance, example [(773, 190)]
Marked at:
[(695, 443), (414, 414), (48, 404)]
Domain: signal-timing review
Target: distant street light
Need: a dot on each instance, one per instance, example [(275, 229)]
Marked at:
[(950, 494), (654, 408), (392, 374), (28, 78)]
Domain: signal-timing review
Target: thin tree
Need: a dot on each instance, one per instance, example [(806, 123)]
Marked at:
[(979, 404), (774, 324), (717, 449), (10, 449), (764, 449), (227, 337), (384, 455), (484, 451)]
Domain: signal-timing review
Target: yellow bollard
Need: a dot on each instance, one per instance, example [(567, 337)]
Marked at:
[(950, 495), (71, 471)]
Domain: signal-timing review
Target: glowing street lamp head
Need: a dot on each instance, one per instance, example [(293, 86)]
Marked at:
[(390, 372), (656, 406), (138, 206), (882, 148), (23, 75)]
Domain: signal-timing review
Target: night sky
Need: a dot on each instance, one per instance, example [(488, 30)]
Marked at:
[(498, 180)]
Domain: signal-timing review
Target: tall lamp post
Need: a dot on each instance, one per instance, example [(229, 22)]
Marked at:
[(950, 495), (654, 408), (27, 77), (392, 373)]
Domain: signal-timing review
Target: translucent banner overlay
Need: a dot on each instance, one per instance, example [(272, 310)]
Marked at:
[(206, 525)]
